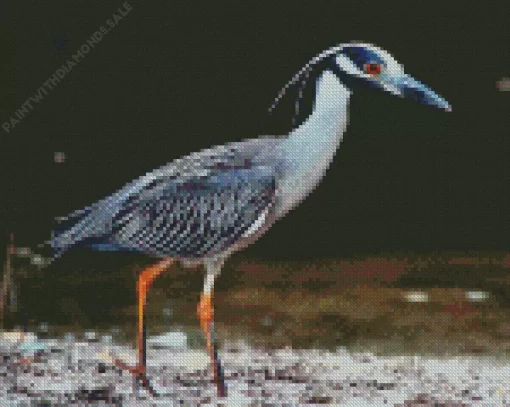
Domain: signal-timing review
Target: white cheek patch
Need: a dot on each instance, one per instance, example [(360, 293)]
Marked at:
[(346, 65)]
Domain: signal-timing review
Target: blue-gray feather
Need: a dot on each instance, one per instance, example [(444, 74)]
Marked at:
[(191, 207)]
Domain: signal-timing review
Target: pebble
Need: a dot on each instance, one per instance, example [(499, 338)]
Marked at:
[(82, 373)]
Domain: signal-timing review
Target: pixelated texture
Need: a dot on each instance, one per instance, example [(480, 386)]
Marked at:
[(201, 205), (78, 374), (205, 206), (194, 206), (369, 305)]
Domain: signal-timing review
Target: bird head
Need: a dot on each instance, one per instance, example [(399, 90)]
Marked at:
[(358, 64), (366, 63)]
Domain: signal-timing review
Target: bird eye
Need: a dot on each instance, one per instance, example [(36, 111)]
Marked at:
[(373, 68)]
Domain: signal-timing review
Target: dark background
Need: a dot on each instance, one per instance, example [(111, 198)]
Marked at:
[(176, 77)]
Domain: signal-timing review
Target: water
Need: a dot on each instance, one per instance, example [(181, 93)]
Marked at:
[(395, 304)]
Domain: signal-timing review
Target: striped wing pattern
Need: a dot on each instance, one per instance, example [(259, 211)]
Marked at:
[(196, 217), (193, 207)]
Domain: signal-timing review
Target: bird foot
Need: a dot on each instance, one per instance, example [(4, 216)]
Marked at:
[(139, 374)]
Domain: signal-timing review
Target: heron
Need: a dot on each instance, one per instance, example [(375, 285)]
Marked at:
[(199, 209)]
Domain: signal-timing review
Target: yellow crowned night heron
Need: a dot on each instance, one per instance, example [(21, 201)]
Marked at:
[(201, 208)]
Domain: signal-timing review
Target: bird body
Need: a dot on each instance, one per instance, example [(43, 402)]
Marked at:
[(201, 208), (214, 202), (190, 209)]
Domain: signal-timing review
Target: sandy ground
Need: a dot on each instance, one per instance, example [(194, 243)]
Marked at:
[(79, 373)]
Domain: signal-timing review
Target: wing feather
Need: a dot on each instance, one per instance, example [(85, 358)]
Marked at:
[(193, 205)]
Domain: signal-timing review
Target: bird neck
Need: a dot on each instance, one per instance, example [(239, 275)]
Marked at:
[(310, 148), (324, 128)]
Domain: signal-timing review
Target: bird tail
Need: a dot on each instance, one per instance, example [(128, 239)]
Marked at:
[(73, 230)]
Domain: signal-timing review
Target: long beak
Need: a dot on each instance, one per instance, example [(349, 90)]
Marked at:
[(410, 88)]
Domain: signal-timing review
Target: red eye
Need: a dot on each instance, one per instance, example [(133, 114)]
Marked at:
[(373, 69)]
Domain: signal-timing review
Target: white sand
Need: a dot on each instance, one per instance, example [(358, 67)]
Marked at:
[(69, 374)]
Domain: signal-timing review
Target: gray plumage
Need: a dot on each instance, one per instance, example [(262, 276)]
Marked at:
[(193, 207), (211, 203), (203, 207)]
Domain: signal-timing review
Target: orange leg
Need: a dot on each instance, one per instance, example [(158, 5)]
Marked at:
[(145, 280), (206, 315)]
